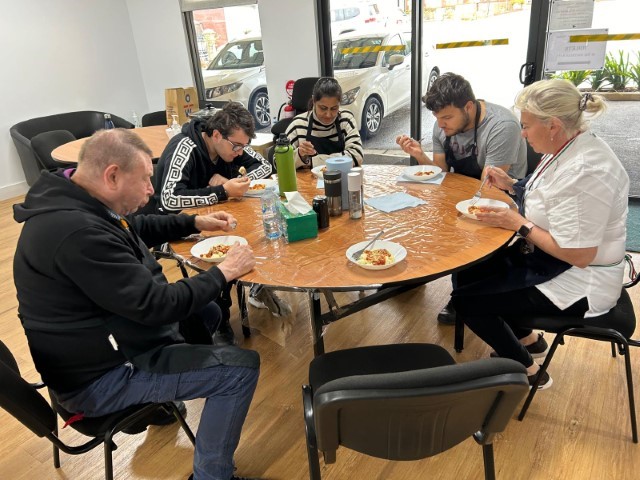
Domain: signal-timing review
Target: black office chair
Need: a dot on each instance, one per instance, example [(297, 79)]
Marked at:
[(300, 97), (154, 118), (615, 327), (44, 143), (22, 400), (406, 402)]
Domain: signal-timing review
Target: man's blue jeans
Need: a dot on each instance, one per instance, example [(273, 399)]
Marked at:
[(228, 391)]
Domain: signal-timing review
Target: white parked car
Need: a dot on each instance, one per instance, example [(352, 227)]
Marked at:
[(237, 73), (354, 16), (376, 84)]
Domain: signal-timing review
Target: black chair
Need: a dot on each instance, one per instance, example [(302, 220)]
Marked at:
[(615, 327), (406, 402), (300, 97), (44, 143), (154, 118), (25, 403), (533, 159)]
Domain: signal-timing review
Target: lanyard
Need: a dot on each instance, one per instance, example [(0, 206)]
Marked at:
[(546, 162)]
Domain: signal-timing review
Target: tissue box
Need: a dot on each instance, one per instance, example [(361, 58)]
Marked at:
[(296, 226)]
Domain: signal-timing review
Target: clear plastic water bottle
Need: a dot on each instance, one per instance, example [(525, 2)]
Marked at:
[(108, 123), (135, 120), (271, 215)]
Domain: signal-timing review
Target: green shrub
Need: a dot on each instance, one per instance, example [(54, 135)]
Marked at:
[(634, 71), (596, 79), (617, 70), (574, 76)]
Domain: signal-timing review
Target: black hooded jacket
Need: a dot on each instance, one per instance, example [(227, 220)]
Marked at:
[(185, 168), (91, 296)]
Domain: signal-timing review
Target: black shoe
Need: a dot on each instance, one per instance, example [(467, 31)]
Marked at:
[(537, 349), (447, 315), (224, 335), (546, 382), (161, 416)]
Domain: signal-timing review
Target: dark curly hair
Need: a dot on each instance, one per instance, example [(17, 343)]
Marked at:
[(448, 89), (231, 117)]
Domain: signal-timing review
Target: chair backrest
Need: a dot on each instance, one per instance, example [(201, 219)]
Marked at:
[(44, 143), (154, 118), (419, 413), (21, 399), (533, 159), (302, 91)]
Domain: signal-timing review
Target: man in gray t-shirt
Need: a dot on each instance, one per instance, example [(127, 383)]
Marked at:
[(469, 134)]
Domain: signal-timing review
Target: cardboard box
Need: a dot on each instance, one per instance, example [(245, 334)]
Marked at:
[(181, 102), (298, 226)]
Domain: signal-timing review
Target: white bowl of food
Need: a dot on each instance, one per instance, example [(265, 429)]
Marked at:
[(214, 249)]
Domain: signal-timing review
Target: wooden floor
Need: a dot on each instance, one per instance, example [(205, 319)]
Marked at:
[(578, 429)]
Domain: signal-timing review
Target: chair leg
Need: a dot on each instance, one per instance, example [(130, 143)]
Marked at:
[(632, 403), (310, 434), (242, 308), (108, 457), (489, 467), (56, 450), (613, 349), (543, 368), (458, 339), (183, 422)]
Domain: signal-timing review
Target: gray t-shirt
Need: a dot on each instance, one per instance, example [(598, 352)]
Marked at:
[(499, 141)]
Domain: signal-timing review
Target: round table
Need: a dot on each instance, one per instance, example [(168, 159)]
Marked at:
[(438, 239)]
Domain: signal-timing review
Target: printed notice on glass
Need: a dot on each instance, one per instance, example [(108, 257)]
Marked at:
[(569, 14), (562, 54)]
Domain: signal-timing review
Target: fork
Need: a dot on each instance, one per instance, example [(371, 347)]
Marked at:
[(478, 194), (356, 255)]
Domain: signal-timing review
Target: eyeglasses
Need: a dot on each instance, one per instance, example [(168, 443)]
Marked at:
[(236, 147)]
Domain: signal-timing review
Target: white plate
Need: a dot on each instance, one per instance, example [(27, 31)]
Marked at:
[(410, 172), (317, 171), (398, 251), (463, 206), (203, 247), (267, 182)]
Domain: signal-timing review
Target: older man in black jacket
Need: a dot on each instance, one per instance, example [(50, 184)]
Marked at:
[(101, 319)]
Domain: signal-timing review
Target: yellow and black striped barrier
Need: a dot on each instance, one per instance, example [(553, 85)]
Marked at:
[(373, 48), (473, 43), (603, 37)]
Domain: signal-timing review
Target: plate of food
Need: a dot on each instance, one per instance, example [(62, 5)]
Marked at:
[(258, 187), (319, 171), (470, 211), (382, 254), (214, 249), (420, 173)]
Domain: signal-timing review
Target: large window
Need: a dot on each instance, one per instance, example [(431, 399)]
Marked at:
[(231, 59)]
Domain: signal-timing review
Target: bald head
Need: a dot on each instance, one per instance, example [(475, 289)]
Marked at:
[(118, 146)]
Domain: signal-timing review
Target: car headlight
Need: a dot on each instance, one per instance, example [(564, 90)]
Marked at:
[(349, 97), (222, 90)]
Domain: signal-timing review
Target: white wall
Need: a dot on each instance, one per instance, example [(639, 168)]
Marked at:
[(290, 41), (161, 47)]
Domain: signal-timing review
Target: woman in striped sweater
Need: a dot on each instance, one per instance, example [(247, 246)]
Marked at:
[(325, 131)]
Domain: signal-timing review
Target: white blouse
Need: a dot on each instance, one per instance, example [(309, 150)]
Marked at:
[(580, 197)]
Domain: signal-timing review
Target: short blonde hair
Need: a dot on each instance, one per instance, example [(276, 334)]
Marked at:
[(557, 98)]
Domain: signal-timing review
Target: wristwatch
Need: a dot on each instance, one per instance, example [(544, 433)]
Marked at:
[(525, 229)]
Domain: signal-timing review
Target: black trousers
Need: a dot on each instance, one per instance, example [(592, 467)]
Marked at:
[(495, 318)]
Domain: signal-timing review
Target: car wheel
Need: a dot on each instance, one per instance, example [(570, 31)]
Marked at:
[(259, 108), (432, 78), (371, 118)]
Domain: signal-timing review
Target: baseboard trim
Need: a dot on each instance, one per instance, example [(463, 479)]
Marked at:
[(15, 190)]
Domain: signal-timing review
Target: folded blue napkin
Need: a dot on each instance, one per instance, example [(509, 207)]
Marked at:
[(437, 180), (394, 201)]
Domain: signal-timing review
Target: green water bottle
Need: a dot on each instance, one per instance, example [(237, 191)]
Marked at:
[(285, 165)]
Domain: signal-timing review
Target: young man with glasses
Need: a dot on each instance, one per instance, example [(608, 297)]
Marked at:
[(205, 163), (210, 161)]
